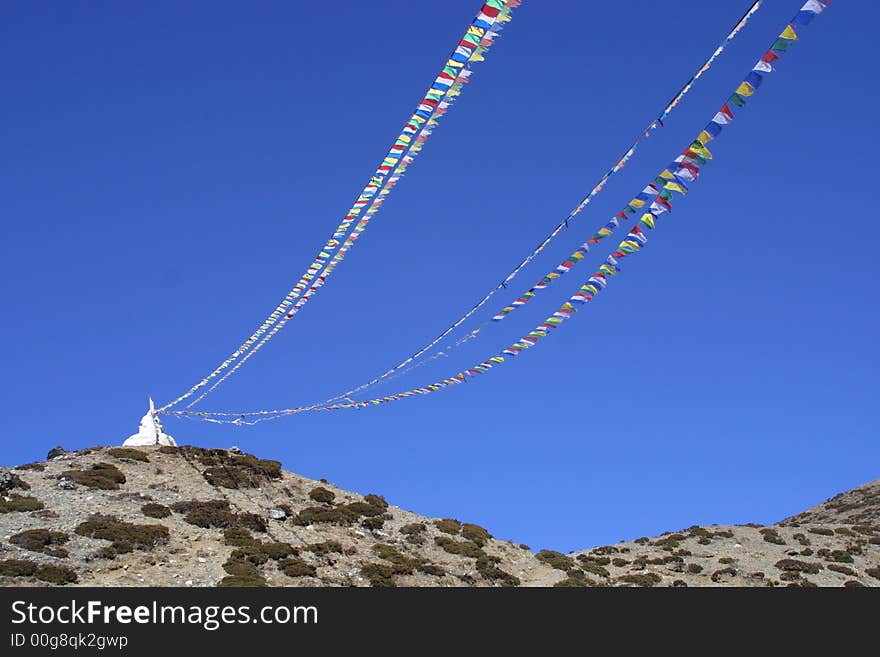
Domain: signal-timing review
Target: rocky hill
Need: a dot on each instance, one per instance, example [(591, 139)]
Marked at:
[(188, 516)]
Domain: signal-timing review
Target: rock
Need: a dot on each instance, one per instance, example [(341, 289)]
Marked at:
[(65, 484), (8, 480), (234, 450), (277, 514), (55, 452)]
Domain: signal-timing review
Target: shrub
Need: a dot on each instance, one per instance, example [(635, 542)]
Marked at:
[(210, 513), (448, 526), (644, 579), (840, 556), (855, 548), (241, 567), (599, 561), (431, 569), (790, 576), (618, 562), (873, 572), (573, 582), (376, 522), (229, 470), (644, 540), (669, 542), (39, 467), (608, 549), (555, 559), (413, 528), (853, 584), (822, 531), (17, 568), (726, 560), (403, 565), (719, 575), (724, 533), (376, 500), (865, 529), (20, 504), (694, 568), (802, 539), (837, 568), (154, 510), (42, 540), (56, 574), (463, 548), (698, 532), (277, 550), (322, 495), (128, 454), (795, 565), (326, 547), (294, 567), (103, 476), (123, 536), (216, 513), (874, 540), (487, 567), (238, 581), (358, 509), (252, 521), (344, 514), (238, 536), (378, 574), (772, 536), (475, 533), (844, 531), (253, 554), (311, 515), (596, 569)]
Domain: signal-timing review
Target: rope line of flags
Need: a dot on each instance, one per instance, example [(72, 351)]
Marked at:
[(649, 205)]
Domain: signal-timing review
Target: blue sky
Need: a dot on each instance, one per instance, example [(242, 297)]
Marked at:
[(171, 169)]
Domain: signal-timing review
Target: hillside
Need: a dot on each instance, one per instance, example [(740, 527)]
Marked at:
[(188, 516)]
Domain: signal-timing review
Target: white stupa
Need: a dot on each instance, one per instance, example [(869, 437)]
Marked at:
[(150, 431)]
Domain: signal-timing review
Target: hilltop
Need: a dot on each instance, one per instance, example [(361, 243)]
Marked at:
[(190, 516)]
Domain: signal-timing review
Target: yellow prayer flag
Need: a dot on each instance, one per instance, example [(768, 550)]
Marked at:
[(745, 89), (789, 33)]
